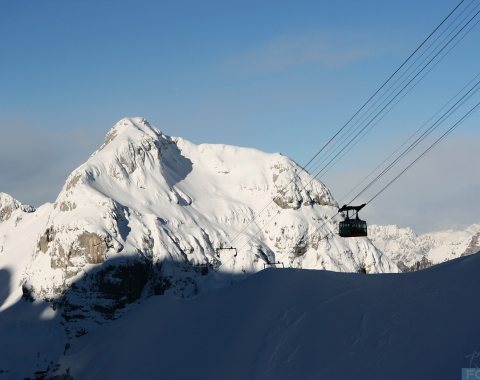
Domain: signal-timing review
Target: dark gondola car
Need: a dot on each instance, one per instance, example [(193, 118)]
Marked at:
[(352, 227)]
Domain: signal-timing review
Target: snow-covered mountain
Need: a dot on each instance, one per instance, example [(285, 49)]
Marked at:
[(412, 252), (147, 214)]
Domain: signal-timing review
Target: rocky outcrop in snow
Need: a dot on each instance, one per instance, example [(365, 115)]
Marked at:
[(473, 245), (8, 205)]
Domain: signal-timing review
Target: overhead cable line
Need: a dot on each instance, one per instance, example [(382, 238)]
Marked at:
[(321, 170), (418, 158), (442, 49), (354, 115), (370, 174), (408, 91), (465, 97), (382, 86), (410, 81), (391, 100), (423, 136), (436, 142), (439, 121)]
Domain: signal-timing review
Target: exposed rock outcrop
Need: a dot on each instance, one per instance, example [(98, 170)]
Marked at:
[(473, 246), (8, 205)]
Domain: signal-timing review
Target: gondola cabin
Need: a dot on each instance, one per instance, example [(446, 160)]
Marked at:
[(352, 227)]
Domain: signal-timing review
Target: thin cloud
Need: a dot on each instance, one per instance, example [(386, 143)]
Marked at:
[(284, 53)]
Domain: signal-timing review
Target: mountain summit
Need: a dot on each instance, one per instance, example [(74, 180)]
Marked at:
[(148, 214)]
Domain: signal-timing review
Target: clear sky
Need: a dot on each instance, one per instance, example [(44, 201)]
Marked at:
[(280, 76)]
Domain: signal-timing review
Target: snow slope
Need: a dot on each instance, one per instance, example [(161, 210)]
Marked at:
[(298, 324), (32, 337), (411, 251)]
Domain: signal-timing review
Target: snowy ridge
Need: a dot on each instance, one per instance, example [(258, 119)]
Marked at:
[(146, 213), (412, 252)]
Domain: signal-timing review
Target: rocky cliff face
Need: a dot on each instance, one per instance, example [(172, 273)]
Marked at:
[(152, 214), (473, 245), (413, 252)]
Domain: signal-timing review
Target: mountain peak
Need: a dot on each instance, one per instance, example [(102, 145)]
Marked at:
[(131, 152), (138, 123), (130, 128)]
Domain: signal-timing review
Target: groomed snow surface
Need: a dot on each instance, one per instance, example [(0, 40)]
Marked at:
[(278, 324)]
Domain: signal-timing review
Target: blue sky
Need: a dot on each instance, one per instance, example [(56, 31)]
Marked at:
[(280, 76)]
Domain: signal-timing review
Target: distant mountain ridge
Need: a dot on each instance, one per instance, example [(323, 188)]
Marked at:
[(413, 252)]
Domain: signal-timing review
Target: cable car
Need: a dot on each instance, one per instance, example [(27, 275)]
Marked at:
[(352, 227)]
